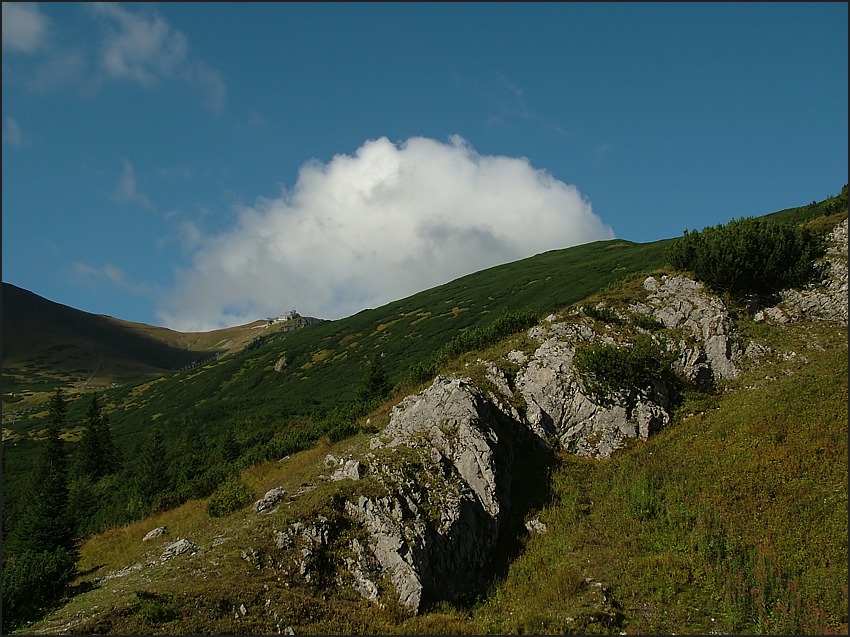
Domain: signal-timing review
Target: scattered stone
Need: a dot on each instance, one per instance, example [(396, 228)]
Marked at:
[(122, 573), (160, 530), (177, 548), (350, 470), (272, 497), (534, 525), (304, 488)]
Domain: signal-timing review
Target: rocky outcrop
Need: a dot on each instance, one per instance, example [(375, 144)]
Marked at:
[(682, 304), (436, 494), (446, 462), (561, 415), (825, 300)]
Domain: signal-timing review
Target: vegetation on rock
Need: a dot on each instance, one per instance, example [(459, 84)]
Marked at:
[(607, 371), (749, 255)]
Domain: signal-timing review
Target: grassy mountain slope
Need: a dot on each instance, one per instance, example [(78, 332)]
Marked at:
[(279, 387), (731, 520), (270, 413), (322, 365)]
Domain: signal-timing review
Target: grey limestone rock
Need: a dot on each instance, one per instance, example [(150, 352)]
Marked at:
[(177, 548), (446, 459), (559, 413), (349, 468), (272, 497), (825, 300), (160, 530), (682, 303)]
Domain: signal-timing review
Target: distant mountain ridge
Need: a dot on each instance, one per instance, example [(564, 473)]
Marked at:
[(39, 334)]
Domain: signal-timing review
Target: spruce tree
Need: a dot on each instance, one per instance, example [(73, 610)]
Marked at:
[(47, 523), (376, 385), (98, 454), (40, 563), (153, 476)]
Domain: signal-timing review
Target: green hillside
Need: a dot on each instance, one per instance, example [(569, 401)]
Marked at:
[(279, 393), (733, 520), (270, 412), (48, 345)]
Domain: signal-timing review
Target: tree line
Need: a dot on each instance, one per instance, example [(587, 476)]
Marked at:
[(40, 547), (69, 496)]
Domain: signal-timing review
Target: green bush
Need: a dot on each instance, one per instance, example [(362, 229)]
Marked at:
[(231, 495), (749, 255), (606, 370), (33, 581), (645, 321), (602, 313)]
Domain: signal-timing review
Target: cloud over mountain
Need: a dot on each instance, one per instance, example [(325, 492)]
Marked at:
[(368, 228)]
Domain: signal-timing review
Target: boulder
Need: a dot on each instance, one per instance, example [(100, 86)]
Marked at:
[(177, 548), (272, 497), (160, 530)]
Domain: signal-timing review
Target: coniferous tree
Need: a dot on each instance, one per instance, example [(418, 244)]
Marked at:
[(40, 563), (376, 386), (153, 476), (47, 522), (98, 454)]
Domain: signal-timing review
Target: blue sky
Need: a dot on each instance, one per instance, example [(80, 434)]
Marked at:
[(199, 165)]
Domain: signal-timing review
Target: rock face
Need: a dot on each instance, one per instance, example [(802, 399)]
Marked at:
[(825, 300), (559, 414), (430, 502), (680, 303), (446, 462)]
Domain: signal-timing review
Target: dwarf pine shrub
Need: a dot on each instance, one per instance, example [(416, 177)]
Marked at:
[(749, 255), (605, 370), (231, 495)]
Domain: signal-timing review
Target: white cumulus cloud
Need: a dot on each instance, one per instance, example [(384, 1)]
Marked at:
[(366, 229), (146, 49), (24, 26)]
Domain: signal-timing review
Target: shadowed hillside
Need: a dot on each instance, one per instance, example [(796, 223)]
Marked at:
[(42, 334), (47, 344)]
